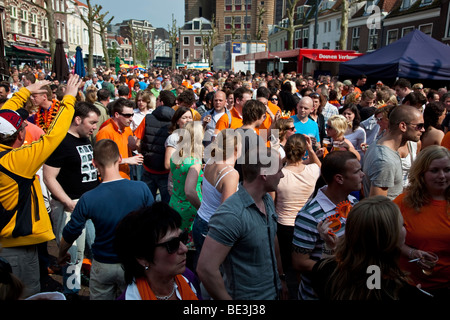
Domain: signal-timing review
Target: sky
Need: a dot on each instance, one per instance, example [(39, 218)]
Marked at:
[(157, 12)]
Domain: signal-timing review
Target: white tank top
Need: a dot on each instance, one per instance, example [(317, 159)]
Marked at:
[(212, 198)]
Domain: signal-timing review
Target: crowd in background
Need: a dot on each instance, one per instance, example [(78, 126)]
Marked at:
[(364, 180)]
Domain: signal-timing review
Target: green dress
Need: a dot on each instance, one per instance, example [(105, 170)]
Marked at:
[(178, 199)]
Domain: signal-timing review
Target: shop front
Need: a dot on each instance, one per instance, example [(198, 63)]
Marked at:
[(304, 61), (22, 50)]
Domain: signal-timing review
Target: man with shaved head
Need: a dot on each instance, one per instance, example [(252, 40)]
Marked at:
[(382, 163), (303, 124)]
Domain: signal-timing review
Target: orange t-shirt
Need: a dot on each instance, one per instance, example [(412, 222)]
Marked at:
[(111, 131), (427, 230), (130, 86), (446, 141), (223, 122), (268, 122), (33, 133)]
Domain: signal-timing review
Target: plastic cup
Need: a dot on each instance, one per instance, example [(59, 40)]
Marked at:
[(428, 262)]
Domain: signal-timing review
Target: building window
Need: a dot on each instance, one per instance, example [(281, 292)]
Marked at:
[(237, 5), (426, 28), (24, 22), (196, 25), (198, 41), (186, 41), (448, 23), (237, 22), (305, 38), (34, 26), (13, 17), (392, 36), (45, 29), (248, 3), (406, 4), (63, 31), (407, 30), (228, 5), (355, 39), (373, 39), (186, 54), (85, 36), (337, 46), (78, 34), (198, 54), (227, 37), (228, 20)]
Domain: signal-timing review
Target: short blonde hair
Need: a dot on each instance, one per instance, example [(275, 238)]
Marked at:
[(339, 124)]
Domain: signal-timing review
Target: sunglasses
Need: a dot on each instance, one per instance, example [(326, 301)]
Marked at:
[(127, 115), (417, 126), (274, 99), (291, 128), (314, 95), (174, 244)]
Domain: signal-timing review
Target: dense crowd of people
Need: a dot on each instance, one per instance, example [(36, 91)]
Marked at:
[(188, 184)]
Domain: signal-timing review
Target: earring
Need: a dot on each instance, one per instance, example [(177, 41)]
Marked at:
[(146, 267)]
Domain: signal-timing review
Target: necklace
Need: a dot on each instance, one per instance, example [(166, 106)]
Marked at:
[(168, 296), (44, 118)]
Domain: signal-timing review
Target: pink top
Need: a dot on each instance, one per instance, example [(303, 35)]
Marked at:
[(293, 191)]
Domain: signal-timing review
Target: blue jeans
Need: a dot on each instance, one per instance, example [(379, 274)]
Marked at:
[(72, 271), (199, 232), (136, 172), (155, 182)]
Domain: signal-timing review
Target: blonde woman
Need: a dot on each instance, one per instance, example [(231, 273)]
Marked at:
[(425, 209), (337, 125), (186, 173), (220, 180)]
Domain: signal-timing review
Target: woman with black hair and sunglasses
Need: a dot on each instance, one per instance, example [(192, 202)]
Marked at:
[(152, 250)]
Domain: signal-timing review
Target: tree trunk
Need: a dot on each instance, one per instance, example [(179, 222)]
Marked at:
[(105, 49), (51, 27), (344, 25)]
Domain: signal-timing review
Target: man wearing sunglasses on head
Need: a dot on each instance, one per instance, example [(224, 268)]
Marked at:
[(106, 209), (382, 162), (118, 130)]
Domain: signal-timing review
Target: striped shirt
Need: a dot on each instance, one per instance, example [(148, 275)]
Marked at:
[(306, 235)]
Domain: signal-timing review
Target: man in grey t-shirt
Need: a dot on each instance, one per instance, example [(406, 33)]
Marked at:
[(242, 238), (382, 163)]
